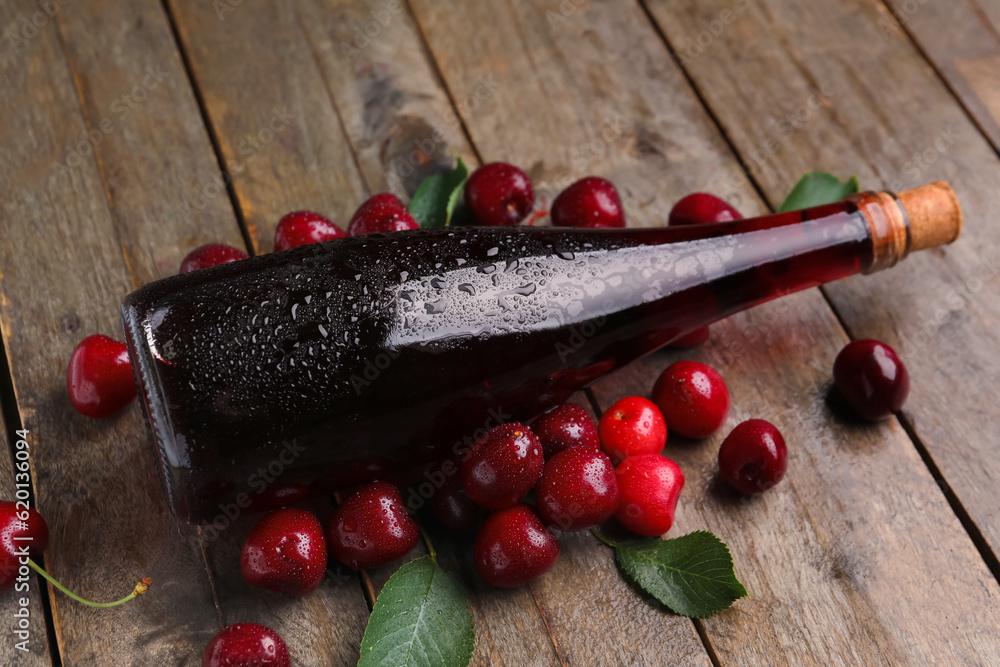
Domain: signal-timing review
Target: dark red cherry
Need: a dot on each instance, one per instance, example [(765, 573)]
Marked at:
[(753, 457), (381, 214), (502, 466), (285, 553), (567, 425), (649, 486), (211, 254), (590, 202), (246, 645), (513, 548), (452, 506), (693, 398), (578, 489), (701, 207), (872, 378), (632, 426), (22, 531), (371, 528), (499, 194), (99, 377), (300, 228)]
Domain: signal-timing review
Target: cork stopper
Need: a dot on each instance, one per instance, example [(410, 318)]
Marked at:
[(934, 213)]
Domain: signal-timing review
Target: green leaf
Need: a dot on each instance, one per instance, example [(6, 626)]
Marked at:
[(421, 618), (693, 574), (435, 200), (817, 188)]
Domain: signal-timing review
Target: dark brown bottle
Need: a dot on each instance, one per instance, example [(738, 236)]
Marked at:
[(328, 365)]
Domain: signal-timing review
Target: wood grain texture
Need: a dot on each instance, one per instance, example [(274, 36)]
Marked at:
[(280, 138), (882, 113), (962, 40), (64, 273), (36, 651)]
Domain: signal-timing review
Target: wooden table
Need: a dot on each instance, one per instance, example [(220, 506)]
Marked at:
[(118, 116)]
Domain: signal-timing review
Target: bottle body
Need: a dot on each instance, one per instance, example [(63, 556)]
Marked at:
[(325, 366)]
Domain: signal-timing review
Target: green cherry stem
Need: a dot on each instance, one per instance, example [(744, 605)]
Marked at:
[(593, 531), (139, 589), (427, 540)]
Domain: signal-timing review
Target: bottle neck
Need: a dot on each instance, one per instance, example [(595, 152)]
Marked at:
[(889, 227)]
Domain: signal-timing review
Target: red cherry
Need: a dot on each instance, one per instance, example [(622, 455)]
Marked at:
[(632, 426), (23, 533), (371, 528), (564, 426), (285, 553), (701, 207), (872, 378), (211, 254), (302, 228), (99, 378), (452, 506), (693, 398), (753, 457), (578, 489), (499, 194), (502, 466), (380, 214), (694, 209), (590, 202), (513, 548), (649, 486), (246, 645)]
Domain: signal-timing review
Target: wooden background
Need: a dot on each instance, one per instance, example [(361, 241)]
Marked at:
[(118, 116)]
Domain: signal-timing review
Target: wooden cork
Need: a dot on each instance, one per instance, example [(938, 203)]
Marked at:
[(934, 213)]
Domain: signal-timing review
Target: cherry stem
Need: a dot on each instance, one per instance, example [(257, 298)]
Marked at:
[(593, 531), (139, 589), (427, 540)]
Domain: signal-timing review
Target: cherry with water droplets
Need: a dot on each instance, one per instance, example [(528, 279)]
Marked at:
[(300, 228), (23, 532), (872, 377), (753, 457), (381, 214), (648, 486), (578, 489), (452, 506), (99, 377), (285, 553), (211, 254), (632, 426), (371, 528), (693, 398), (564, 426), (514, 547), (590, 202), (499, 194), (246, 645), (502, 466)]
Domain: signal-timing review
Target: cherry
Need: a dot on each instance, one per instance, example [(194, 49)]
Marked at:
[(380, 214), (632, 426), (697, 208), (590, 202), (753, 457), (246, 645), (502, 466), (302, 228), (578, 489), (371, 528), (211, 254), (701, 207), (872, 378), (452, 506), (285, 553), (499, 194), (513, 548), (649, 486), (99, 377), (564, 426), (23, 532), (693, 398)]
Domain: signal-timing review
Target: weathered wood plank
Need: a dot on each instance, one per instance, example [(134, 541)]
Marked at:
[(34, 648), (63, 277), (880, 112), (561, 79), (962, 40)]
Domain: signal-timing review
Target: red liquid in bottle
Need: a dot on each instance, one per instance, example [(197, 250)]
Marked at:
[(380, 356)]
